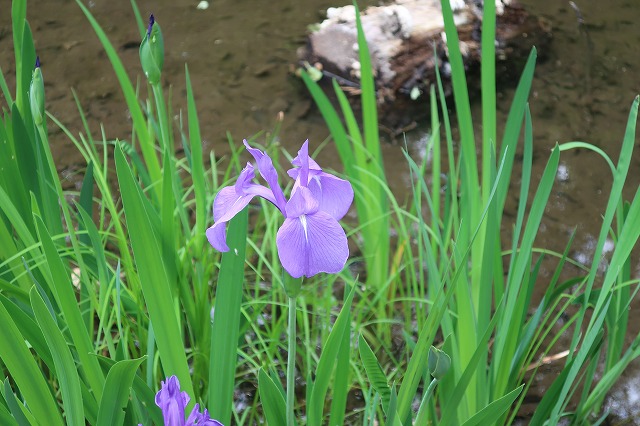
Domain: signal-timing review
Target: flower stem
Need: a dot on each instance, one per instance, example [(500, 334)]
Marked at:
[(291, 362), (161, 111)]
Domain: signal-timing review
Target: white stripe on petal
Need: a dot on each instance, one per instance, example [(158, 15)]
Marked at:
[(303, 221)]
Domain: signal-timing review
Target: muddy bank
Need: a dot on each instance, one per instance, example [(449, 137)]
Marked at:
[(239, 57)]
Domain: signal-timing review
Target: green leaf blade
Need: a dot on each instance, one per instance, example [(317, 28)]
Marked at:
[(65, 368), (225, 329), (153, 275), (116, 392)]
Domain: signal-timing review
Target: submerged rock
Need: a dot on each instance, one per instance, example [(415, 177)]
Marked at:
[(406, 38)]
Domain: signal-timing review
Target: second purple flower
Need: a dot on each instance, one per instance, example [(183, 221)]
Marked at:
[(310, 240)]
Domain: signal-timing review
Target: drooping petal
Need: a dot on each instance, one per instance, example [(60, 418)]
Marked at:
[(229, 201), (172, 402), (312, 243), (334, 195), (244, 179), (268, 173), (217, 233), (229, 195), (226, 201)]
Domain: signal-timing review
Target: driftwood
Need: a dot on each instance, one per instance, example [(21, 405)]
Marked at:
[(404, 40)]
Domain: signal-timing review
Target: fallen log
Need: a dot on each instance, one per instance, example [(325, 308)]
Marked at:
[(406, 37)]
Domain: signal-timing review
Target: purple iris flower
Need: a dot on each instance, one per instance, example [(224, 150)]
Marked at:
[(311, 239), (172, 402)]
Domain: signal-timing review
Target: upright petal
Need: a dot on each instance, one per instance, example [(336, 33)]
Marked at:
[(268, 173), (208, 421), (312, 164), (312, 243), (195, 417), (334, 195), (303, 158), (301, 202)]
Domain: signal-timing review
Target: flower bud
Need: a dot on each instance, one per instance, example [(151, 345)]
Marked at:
[(36, 95), (439, 363), (152, 52)]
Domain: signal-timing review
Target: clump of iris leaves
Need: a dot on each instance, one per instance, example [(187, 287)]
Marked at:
[(108, 291)]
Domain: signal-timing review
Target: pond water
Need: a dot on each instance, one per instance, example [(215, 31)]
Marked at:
[(240, 55)]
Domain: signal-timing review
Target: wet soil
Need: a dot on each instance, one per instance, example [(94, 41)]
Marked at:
[(240, 55)]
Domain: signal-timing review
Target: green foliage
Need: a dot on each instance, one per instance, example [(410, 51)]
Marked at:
[(116, 392), (104, 296), (361, 157), (152, 53), (225, 330), (327, 362), (63, 360), (272, 400)]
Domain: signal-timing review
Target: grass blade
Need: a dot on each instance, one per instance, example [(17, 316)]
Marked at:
[(225, 329), (65, 368), (154, 278), (495, 409), (17, 412), (272, 400), (341, 383), (25, 372), (137, 117), (60, 285), (117, 388), (29, 328), (197, 169), (327, 362), (375, 374), (332, 120)]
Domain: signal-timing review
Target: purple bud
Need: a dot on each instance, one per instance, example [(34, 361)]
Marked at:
[(172, 402), (37, 61), (151, 22)]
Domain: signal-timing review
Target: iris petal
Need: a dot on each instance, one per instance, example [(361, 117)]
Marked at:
[(195, 417), (217, 234), (172, 402), (335, 195), (269, 173), (311, 240), (224, 202), (230, 201), (303, 156), (208, 421), (246, 176), (312, 243), (298, 162), (301, 202)]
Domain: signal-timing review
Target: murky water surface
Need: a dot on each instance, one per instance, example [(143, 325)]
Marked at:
[(240, 55)]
